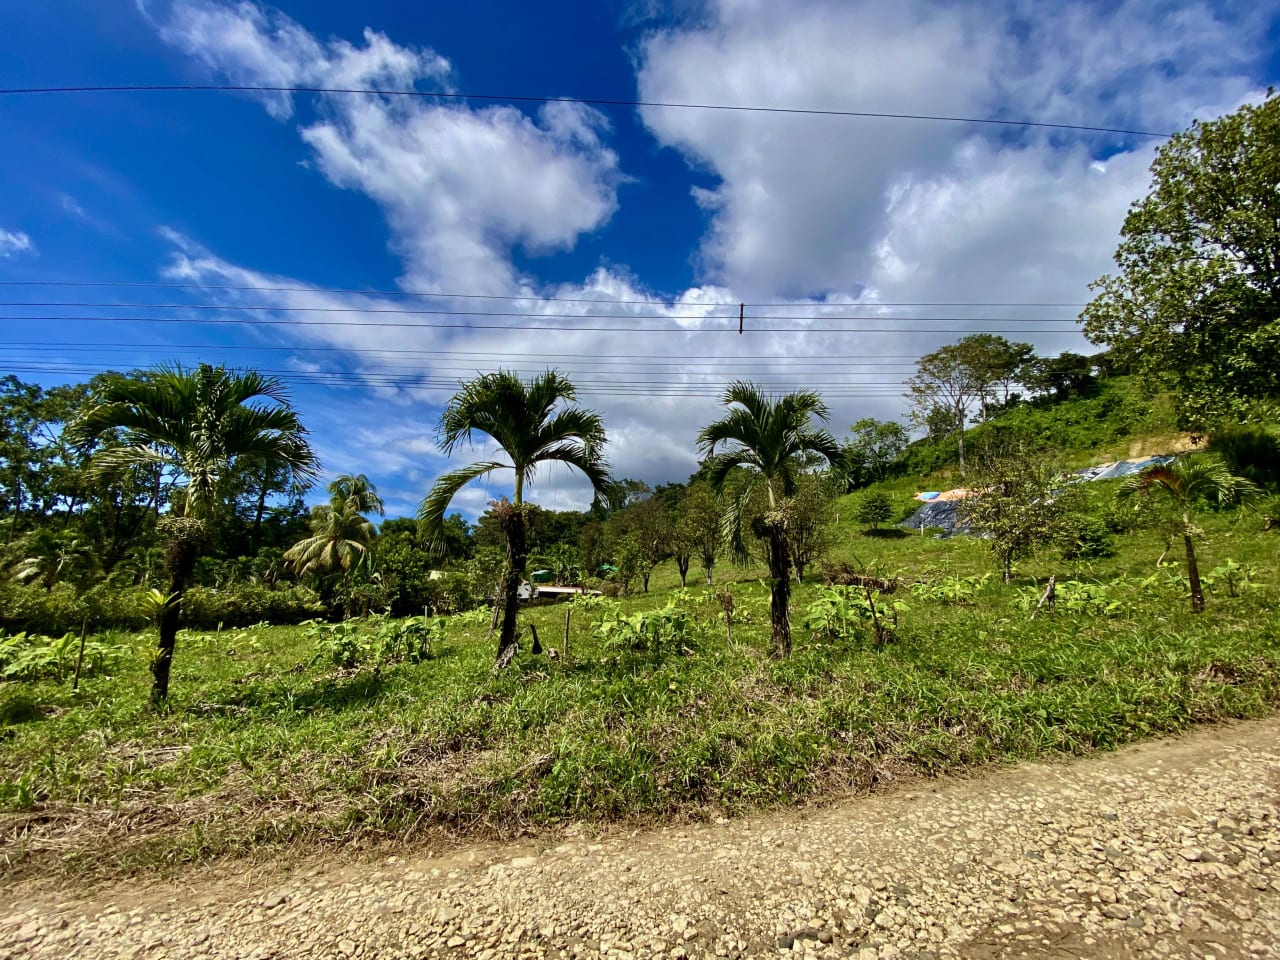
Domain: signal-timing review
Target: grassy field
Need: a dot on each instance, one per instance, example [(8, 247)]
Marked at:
[(267, 744)]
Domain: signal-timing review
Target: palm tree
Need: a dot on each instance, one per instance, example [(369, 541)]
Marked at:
[(771, 438), (340, 532), (197, 424), (1185, 483), (523, 419)]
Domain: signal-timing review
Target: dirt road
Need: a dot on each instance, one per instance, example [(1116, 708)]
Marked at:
[(1170, 849)]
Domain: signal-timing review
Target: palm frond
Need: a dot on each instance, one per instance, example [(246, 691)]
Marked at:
[(431, 512)]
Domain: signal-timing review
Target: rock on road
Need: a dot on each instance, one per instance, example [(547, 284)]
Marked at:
[(1167, 849)]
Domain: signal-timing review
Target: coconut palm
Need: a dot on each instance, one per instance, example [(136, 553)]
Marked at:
[(340, 532), (197, 424), (531, 426), (1185, 483), (773, 440)]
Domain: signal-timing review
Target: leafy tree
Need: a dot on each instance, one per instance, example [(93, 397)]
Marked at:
[(944, 380), (1197, 296), (876, 446), (873, 508), (769, 439), (1018, 508), (1066, 375), (522, 418), (700, 523), (647, 525), (810, 527), (993, 361), (1186, 483), (197, 423)]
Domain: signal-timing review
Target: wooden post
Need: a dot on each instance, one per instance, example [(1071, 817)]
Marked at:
[(564, 650), (741, 313), (84, 633)]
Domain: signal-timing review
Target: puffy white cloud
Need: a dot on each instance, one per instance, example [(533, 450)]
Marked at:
[(15, 241), (803, 204), (461, 187)]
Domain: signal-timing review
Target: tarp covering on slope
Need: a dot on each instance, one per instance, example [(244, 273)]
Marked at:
[(940, 510)]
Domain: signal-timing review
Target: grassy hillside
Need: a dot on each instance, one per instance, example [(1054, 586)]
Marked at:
[(1116, 422)]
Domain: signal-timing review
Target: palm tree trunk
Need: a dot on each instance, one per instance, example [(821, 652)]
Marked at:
[(511, 521), (780, 598), (1193, 574), (180, 558)]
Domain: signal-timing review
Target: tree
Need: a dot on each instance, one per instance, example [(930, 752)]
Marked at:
[(1186, 483), (523, 419), (701, 521), (873, 508), (945, 380), (1018, 508), (810, 529), (198, 424), (647, 524), (768, 438), (992, 361), (1065, 376), (875, 447), (1196, 299), (340, 532)]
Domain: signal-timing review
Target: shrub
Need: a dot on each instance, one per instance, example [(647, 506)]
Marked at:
[(244, 604), (1085, 537), (873, 508), (650, 632), (1250, 451)]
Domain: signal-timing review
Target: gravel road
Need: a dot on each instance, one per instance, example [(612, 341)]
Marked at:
[(1168, 849)]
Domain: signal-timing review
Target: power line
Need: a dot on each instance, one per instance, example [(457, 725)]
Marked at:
[(574, 328), (401, 311), (652, 301), (505, 354), (591, 101)]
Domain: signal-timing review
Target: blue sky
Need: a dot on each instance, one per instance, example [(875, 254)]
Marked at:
[(318, 193)]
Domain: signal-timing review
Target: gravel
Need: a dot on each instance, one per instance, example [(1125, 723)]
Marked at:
[(1168, 849)]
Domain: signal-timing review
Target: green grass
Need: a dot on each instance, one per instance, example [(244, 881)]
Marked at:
[(265, 745)]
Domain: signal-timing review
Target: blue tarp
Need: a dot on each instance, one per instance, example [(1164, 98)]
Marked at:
[(942, 514)]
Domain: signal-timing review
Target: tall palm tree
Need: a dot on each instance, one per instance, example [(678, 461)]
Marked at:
[(340, 531), (197, 424), (530, 425), (1185, 483), (772, 438)]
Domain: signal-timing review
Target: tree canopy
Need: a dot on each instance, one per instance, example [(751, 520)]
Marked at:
[(1195, 304)]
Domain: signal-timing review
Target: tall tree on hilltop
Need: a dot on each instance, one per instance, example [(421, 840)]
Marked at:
[(1197, 296), (944, 381), (531, 425), (770, 439), (196, 424)]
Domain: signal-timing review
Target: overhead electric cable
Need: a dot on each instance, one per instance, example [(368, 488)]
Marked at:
[(590, 101), (531, 328), (401, 311), (651, 301)]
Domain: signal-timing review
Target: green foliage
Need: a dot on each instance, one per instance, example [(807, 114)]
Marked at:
[(1235, 578), (846, 612), (341, 644), (1195, 301), (31, 657), (1251, 451), (951, 589), (1084, 598), (873, 508), (1083, 536), (650, 633), (245, 604)]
